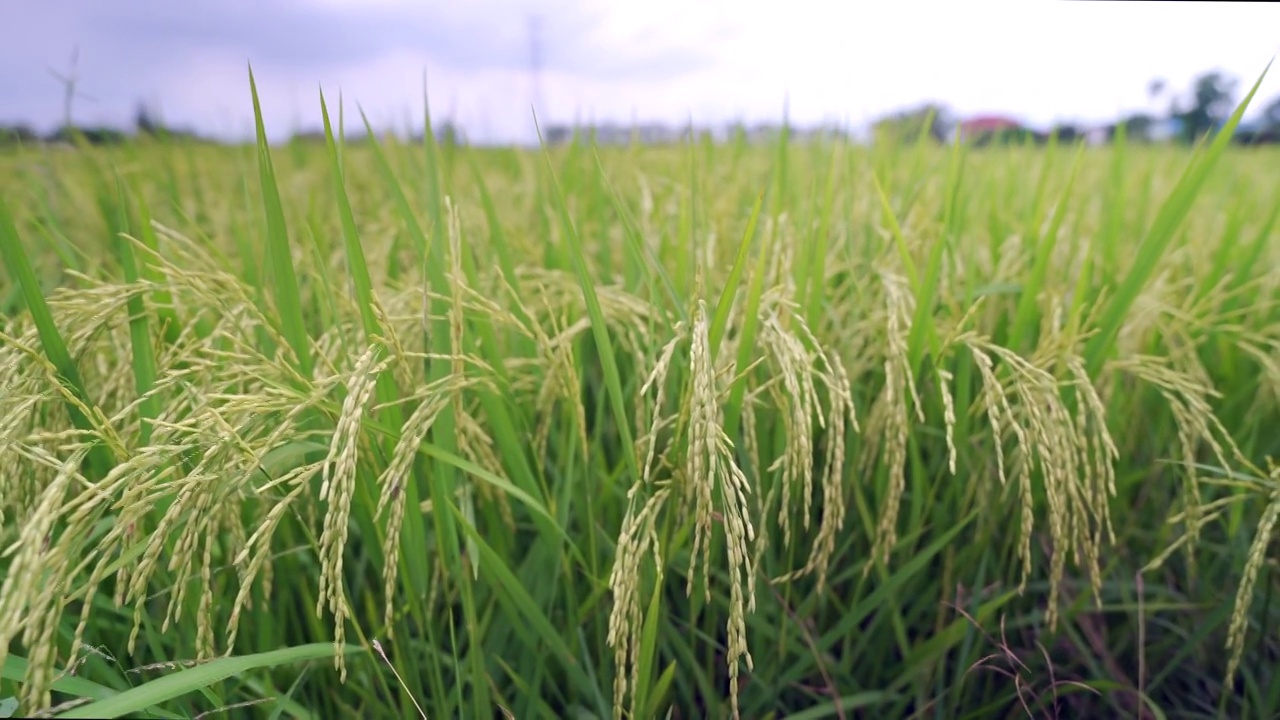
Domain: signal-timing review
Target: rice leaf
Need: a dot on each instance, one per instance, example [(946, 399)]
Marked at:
[(1158, 238), (599, 328), (100, 458), (720, 320), (183, 682), (284, 279), (144, 361)]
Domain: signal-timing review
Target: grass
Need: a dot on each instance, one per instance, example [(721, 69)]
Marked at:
[(807, 430)]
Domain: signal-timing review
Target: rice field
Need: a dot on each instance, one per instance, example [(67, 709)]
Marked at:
[(370, 428)]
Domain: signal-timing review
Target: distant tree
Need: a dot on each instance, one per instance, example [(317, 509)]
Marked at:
[(1067, 132), (907, 126), (1139, 126), (1264, 132), (148, 122), (558, 134), (1271, 114), (449, 134), (736, 131), (17, 135), (97, 135), (314, 136), (145, 122), (1212, 99)]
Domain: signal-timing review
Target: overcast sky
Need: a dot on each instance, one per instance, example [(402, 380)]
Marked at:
[(652, 60)]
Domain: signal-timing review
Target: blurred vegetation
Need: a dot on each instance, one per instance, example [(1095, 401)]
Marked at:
[(1203, 109)]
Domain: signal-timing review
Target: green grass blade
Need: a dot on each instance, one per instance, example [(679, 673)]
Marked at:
[(834, 708), (413, 530), (640, 249), (162, 304), (1024, 316), (746, 343), (393, 185), (782, 176), (720, 321), (815, 286), (185, 682), (1159, 237), (648, 650), (356, 264), (514, 596), (284, 279), (100, 459), (509, 430), (497, 237), (431, 257), (923, 326), (895, 230), (599, 329), (1253, 252), (432, 253), (144, 361), (15, 670)]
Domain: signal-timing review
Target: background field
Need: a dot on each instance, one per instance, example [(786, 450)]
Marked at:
[(926, 432)]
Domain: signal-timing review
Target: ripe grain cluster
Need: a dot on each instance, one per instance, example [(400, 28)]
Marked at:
[(708, 429)]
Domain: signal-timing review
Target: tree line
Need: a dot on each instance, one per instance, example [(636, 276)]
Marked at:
[(1202, 109)]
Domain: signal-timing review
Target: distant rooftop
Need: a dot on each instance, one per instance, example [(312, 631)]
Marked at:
[(989, 123)]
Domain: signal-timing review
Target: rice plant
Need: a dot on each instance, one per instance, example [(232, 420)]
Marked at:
[(402, 430)]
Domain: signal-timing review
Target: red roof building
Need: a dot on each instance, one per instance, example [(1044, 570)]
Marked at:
[(982, 128), (988, 123)]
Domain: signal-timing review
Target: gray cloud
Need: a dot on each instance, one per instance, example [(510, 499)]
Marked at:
[(491, 35), (155, 49)]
